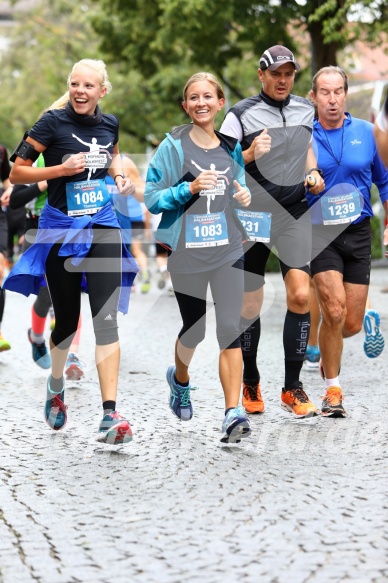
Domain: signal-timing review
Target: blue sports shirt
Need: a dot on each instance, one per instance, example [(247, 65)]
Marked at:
[(348, 156)]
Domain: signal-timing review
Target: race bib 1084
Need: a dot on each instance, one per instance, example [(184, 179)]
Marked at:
[(86, 197)]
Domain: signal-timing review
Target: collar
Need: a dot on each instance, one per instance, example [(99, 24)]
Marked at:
[(347, 121), (87, 120), (274, 102), (179, 131)]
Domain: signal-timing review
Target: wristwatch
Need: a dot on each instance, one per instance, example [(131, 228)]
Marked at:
[(320, 172)]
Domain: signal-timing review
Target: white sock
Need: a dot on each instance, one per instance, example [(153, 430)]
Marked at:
[(332, 382), (37, 338)]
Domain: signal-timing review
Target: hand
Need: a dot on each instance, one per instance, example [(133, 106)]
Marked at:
[(74, 164), (205, 181), (385, 239), (318, 186), (261, 145), (242, 195), (125, 186), (4, 199)]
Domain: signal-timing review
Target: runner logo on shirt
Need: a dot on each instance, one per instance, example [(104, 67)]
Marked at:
[(218, 190), (97, 157)]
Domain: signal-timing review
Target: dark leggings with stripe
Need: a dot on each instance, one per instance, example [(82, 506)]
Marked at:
[(103, 274)]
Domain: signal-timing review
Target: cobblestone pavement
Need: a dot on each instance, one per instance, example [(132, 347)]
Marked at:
[(300, 501)]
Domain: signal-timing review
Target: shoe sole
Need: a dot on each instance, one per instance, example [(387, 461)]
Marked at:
[(311, 366), (374, 341), (117, 435), (334, 413), (239, 432), (291, 410), (256, 412), (74, 373)]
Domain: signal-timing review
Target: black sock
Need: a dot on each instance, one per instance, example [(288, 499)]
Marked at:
[(229, 409), (186, 384), (295, 338), (108, 407), (250, 337)]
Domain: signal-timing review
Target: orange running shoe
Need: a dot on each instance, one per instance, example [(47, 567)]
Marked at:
[(297, 402), (252, 400), (332, 403)]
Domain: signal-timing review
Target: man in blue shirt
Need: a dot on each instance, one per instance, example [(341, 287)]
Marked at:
[(346, 152)]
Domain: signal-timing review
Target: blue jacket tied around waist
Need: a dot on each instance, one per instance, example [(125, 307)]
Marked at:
[(76, 234)]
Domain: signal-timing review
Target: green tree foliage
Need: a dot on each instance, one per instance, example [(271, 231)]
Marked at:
[(152, 46), (167, 40), (44, 44)]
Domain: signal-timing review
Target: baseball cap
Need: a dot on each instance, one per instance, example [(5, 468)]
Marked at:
[(276, 56)]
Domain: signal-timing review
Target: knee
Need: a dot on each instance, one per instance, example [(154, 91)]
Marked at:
[(193, 336), (351, 328), (229, 337), (251, 307), (334, 313), (298, 301)]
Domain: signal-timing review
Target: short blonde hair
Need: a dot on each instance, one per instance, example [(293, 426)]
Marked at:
[(99, 67), (203, 76)]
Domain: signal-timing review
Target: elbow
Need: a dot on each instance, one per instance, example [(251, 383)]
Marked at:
[(14, 176)]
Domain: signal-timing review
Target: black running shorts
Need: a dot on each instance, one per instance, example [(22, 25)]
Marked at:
[(291, 236), (349, 253)]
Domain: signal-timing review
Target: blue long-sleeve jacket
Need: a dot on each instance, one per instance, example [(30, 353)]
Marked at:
[(167, 193)]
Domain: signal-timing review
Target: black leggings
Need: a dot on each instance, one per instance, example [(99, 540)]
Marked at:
[(43, 302), (227, 287), (103, 274)]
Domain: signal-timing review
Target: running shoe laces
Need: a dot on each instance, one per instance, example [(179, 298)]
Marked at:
[(252, 391), (332, 403), (333, 396), (114, 429), (55, 408), (299, 394)]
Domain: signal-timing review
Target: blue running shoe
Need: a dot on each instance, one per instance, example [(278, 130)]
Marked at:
[(55, 409), (180, 403), (235, 426), (40, 354), (312, 357), (374, 340), (114, 429)]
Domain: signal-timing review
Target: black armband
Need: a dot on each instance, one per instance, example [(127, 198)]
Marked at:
[(25, 150)]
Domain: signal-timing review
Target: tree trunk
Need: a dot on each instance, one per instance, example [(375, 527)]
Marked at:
[(322, 54)]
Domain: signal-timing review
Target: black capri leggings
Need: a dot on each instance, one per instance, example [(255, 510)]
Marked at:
[(227, 287), (43, 302), (103, 273)]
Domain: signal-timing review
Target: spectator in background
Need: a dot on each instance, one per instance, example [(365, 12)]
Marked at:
[(5, 170)]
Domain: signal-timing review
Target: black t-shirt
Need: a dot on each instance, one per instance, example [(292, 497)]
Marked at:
[(218, 200), (63, 137)]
